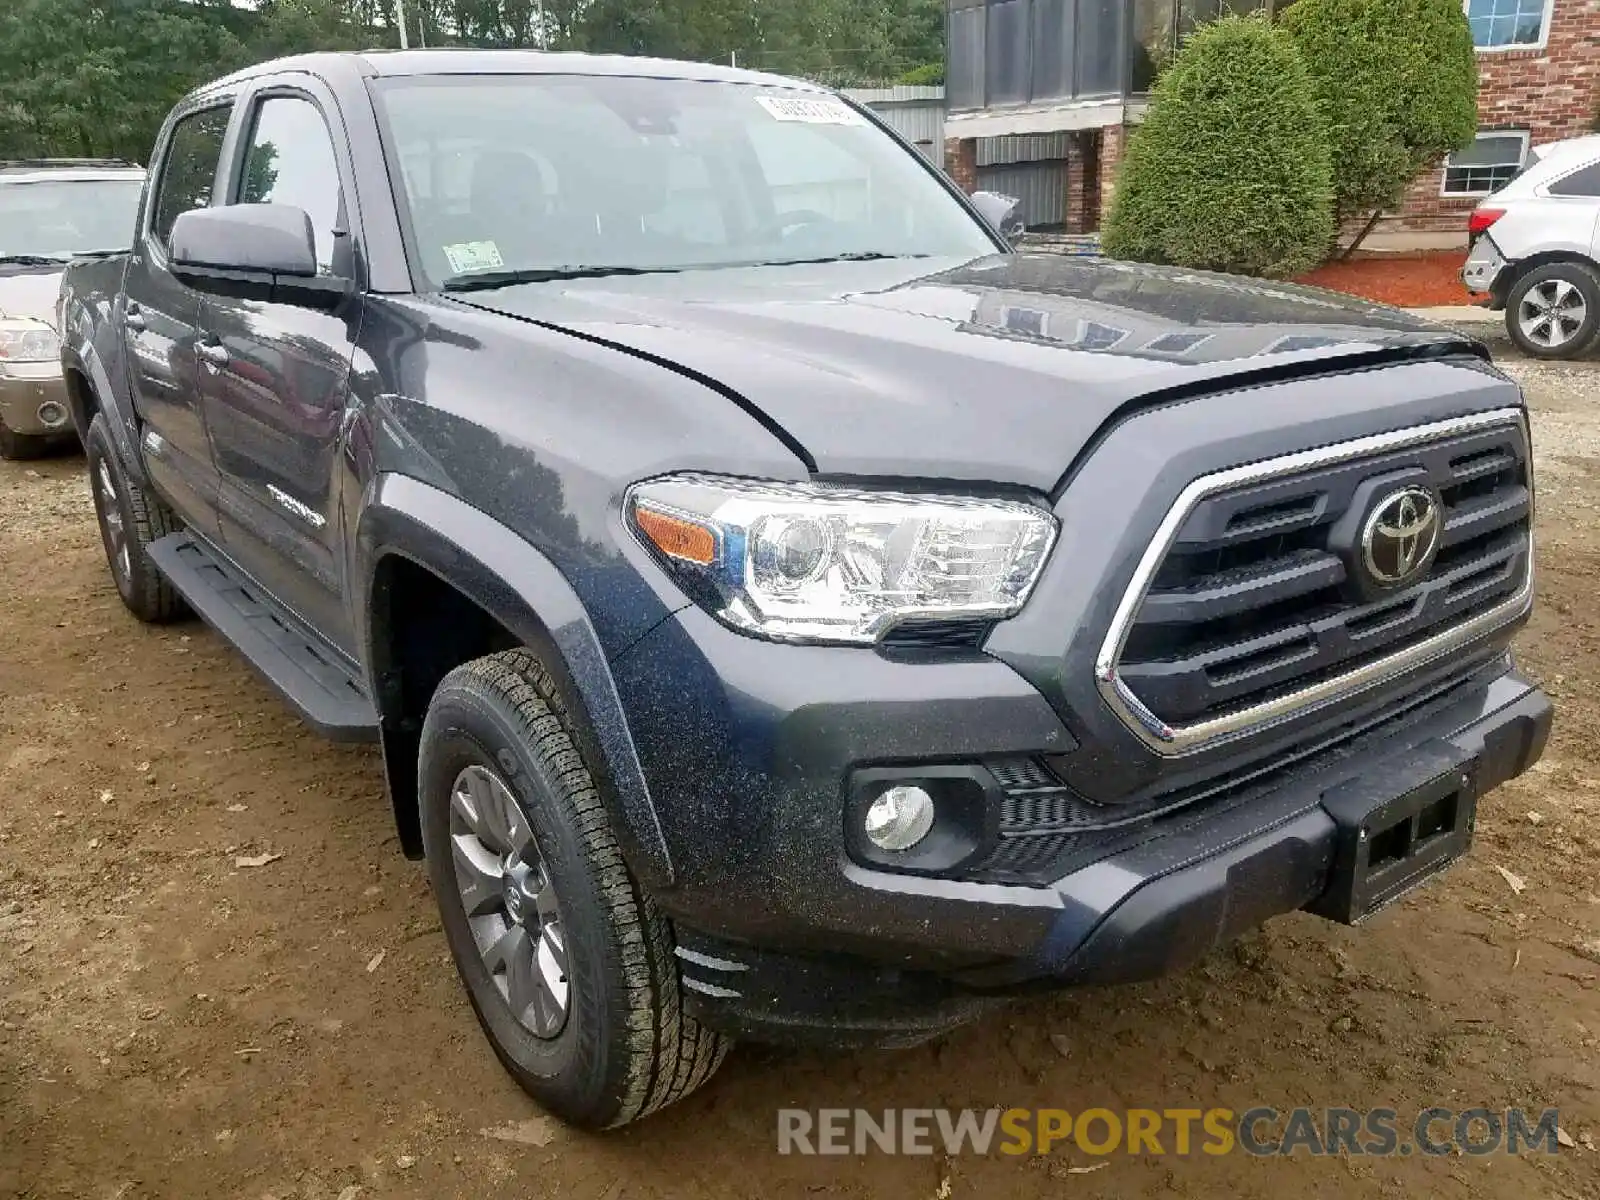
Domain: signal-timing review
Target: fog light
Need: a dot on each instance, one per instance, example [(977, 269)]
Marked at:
[(899, 818), (52, 415)]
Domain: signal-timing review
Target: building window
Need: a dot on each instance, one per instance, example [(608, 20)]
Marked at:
[(1486, 165), (1508, 24), (1177, 343), (1299, 341), (1094, 336), (1026, 320)]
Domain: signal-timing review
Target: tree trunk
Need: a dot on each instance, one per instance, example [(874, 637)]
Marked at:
[(1362, 236)]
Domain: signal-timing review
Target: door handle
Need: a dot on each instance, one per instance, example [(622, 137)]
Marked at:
[(214, 353), (133, 318)]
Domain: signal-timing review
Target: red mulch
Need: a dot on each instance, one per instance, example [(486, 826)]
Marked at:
[(1410, 281)]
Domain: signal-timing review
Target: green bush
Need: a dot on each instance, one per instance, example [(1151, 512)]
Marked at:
[(1230, 170), (1398, 83), (927, 75)]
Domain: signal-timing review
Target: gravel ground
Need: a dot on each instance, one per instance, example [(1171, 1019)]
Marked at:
[(175, 1024)]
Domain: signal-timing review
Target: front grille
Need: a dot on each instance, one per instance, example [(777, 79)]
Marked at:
[(1255, 601), (1047, 830), (1042, 819)]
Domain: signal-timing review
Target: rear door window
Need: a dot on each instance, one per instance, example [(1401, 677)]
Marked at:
[(1583, 182), (190, 169)]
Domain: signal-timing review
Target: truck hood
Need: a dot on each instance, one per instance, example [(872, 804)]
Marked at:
[(30, 292), (999, 369)]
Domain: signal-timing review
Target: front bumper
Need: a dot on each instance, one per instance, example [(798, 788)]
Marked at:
[(753, 756), (33, 399), (861, 965)]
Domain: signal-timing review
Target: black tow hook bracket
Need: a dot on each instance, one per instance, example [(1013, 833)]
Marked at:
[(1387, 842)]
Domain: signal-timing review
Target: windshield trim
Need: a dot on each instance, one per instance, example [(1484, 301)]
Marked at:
[(423, 283)]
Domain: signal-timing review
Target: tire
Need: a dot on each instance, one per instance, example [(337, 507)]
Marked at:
[(18, 447), (497, 734), (130, 519), (1553, 311)]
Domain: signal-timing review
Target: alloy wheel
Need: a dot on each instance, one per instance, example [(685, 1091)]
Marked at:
[(112, 530), (1551, 313), (510, 901)]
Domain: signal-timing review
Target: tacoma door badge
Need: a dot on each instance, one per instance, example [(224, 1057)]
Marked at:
[(304, 511)]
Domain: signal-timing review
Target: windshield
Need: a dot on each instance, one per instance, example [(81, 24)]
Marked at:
[(546, 174), (57, 218)]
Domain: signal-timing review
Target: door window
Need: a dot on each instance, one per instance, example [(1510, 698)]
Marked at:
[(1583, 182), (190, 168), (290, 161)]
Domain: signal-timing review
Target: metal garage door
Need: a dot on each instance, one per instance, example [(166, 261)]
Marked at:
[(1041, 186)]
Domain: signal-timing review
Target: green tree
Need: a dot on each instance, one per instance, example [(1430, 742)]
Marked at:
[(1398, 83), (296, 26), (1230, 171), (97, 77), (927, 75)]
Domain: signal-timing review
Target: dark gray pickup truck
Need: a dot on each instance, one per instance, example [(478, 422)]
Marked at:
[(785, 611)]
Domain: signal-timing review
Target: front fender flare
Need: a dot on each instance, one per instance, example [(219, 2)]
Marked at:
[(85, 360), (527, 594)]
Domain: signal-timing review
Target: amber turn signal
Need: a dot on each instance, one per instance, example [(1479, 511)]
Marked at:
[(676, 537)]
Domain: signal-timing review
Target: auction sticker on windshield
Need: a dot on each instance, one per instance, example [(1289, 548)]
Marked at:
[(465, 257), (811, 110)]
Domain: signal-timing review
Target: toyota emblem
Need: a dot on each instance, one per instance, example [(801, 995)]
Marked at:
[(1401, 537)]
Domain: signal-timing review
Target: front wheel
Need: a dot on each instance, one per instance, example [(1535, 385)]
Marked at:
[(1553, 311), (130, 520), (569, 967)]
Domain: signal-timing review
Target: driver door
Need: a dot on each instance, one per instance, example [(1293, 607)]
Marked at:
[(274, 374)]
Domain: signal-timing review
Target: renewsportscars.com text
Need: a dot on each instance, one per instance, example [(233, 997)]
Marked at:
[(1261, 1132)]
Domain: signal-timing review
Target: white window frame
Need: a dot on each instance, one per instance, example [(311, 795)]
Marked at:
[(1544, 39), (1200, 339), (1444, 173), (1081, 335), (1282, 342)]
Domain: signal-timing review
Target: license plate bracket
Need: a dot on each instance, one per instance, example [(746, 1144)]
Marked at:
[(1388, 844)]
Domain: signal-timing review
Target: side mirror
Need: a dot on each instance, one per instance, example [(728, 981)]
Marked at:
[(1003, 212), (253, 251)]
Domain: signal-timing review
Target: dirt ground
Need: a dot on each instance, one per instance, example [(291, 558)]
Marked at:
[(174, 1024), (1421, 279)]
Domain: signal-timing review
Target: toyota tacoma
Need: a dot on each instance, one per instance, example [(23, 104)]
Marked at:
[(787, 611)]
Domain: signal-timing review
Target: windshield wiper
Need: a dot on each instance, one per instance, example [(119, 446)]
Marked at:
[(30, 260), (847, 256), (483, 280)]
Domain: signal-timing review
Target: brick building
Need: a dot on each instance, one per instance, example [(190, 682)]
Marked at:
[(1538, 75), (1074, 74)]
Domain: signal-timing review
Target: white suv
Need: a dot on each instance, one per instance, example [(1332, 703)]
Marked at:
[(1535, 250)]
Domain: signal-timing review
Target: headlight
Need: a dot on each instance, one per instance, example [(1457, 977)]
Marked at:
[(809, 562), (23, 340)]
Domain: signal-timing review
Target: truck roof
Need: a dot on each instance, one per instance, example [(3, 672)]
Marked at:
[(471, 61)]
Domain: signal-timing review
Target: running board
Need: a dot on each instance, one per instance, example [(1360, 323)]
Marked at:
[(315, 679)]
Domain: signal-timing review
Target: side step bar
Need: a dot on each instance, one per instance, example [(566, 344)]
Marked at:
[(316, 680)]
